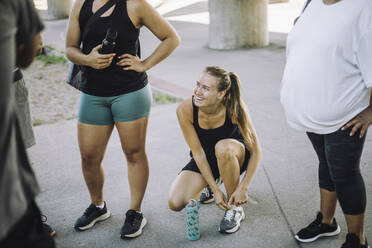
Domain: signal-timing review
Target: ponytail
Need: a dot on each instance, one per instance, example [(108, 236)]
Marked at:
[(237, 109), (235, 106)]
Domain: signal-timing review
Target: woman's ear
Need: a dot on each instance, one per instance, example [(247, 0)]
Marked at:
[(221, 94)]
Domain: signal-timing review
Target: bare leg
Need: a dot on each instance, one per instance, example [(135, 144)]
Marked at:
[(133, 139), (92, 143), (230, 156), (355, 224), (187, 185), (328, 202)]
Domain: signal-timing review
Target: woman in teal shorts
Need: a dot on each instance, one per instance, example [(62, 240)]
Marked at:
[(115, 93)]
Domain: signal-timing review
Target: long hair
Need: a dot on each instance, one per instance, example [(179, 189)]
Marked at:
[(233, 102)]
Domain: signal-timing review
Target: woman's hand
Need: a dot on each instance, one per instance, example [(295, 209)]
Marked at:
[(240, 196), (221, 200), (130, 62), (361, 121), (97, 60)]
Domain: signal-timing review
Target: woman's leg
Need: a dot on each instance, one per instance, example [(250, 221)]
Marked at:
[(343, 156), (187, 185), (92, 143), (133, 139), (230, 157)]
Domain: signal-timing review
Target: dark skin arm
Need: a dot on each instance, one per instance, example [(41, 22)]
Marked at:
[(361, 121)]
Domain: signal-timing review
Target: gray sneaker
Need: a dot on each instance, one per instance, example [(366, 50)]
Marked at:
[(206, 196), (231, 220)]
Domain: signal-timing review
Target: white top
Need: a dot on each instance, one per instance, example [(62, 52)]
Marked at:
[(328, 75)]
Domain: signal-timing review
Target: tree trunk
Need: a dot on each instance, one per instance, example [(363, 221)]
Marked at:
[(238, 24), (58, 9)]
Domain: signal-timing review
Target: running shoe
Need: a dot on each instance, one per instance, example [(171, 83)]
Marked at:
[(231, 220), (317, 229), (91, 216), (133, 224)]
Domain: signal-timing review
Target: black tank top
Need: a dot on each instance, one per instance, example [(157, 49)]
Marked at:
[(209, 137), (111, 81)]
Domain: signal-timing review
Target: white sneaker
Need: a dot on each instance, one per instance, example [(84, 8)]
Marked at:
[(231, 220)]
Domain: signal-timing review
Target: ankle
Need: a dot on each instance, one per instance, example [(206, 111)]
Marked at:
[(362, 239), (328, 221)]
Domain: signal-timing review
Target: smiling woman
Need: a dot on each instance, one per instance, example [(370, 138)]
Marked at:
[(223, 144)]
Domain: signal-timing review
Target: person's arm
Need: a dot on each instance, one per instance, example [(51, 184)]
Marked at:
[(361, 121), (94, 59), (145, 15), (185, 119), (364, 64), (240, 194)]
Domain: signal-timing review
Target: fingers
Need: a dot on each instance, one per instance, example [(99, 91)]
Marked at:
[(127, 56), (355, 128), (232, 200), (125, 62), (223, 206), (97, 47), (363, 131)]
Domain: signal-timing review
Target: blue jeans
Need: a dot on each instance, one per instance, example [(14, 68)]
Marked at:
[(339, 168)]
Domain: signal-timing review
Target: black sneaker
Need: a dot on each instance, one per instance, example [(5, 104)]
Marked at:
[(231, 220), (317, 229), (91, 216), (133, 224), (352, 241), (206, 196), (46, 227)]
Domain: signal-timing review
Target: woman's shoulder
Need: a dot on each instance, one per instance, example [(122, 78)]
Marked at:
[(185, 108), (78, 4)]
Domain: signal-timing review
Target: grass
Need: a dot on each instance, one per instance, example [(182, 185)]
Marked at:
[(162, 98), (51, 60), (37, 123)]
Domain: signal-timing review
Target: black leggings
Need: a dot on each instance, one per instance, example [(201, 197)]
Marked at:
[(339, 157)]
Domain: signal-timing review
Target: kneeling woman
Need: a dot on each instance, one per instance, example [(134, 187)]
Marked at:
[(223, 143)]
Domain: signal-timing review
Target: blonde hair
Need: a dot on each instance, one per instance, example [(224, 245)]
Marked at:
[(233, 102)]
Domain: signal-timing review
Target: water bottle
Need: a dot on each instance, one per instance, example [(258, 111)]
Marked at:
[(192, 220), (108, 44)]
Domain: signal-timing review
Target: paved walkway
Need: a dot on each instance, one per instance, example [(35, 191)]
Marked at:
[(284, 194)]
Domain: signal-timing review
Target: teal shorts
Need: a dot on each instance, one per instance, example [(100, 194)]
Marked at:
[(97, 110)]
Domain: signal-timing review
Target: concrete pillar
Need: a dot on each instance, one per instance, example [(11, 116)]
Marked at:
[(58, 9), (237, 24)]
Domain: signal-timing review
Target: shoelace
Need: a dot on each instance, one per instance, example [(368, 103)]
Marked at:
[(229, 215), (89, 210), (131, 218)]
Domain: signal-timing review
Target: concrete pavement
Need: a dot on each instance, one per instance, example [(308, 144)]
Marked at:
[(284, 193)]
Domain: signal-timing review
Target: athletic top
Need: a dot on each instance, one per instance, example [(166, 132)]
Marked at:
[(209, 137), (327, 80), (113, 80)]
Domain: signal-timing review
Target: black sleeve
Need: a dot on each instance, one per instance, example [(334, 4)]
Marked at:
[(29, 23)]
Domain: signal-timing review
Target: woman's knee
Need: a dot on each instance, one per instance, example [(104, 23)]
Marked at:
[(134, 155), (175, 204), (224, 149), (89, 159)]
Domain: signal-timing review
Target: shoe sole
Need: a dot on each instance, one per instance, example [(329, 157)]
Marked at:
[(207, 201), (334, 233), (91, 224), (234, 229), (138, 233)]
